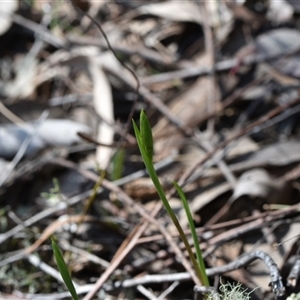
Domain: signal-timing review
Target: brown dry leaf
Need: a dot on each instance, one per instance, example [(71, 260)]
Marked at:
[(243, 146)]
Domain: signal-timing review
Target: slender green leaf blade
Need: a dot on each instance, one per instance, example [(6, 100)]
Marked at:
[(146, 135), (145, 142), (118, 165), (204, 278), (141, 145), (63, 269)]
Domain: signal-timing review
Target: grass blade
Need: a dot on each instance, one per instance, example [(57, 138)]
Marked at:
[(146, 135), (145, 142), (204, 278), (63, 269)]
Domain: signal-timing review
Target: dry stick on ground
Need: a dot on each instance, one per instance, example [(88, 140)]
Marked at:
[(47, 233), (146, 53), (272, 215), (225, 65), (75, 199), (42, 215), (240, 230), (235, 136), (65, 245), (60, 207), (57, 296), (10, 115), (230, 234), (221, 66), (242, 261), (224, 104), (212, 105)]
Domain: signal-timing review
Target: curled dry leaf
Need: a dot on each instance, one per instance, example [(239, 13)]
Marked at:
[(257, 183)]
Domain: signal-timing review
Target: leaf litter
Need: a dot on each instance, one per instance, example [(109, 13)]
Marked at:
[(220, 85)]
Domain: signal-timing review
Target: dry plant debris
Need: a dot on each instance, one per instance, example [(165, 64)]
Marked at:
[(219, 81)]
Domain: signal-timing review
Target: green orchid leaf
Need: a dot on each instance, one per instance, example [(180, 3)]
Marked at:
[(63, 269), (203, 279), (141, 145), (145, 142), (146, 135)]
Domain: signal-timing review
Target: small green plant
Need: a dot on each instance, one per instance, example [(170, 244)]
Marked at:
[(63, 270), (145, 143), (54, 194), (118, 165)]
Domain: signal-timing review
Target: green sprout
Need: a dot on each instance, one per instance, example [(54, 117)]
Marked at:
[(145, 144), (54, 194), (63, 270)]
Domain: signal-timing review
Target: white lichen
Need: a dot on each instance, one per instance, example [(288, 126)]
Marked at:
[(232, 292)]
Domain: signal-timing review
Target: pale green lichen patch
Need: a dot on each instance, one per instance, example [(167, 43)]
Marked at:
[(232, 292)]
